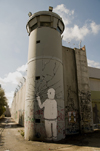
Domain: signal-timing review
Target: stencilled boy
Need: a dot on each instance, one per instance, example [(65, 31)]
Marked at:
[(50, 114)]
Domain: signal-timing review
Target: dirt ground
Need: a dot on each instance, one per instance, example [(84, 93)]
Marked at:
[(12, 140)]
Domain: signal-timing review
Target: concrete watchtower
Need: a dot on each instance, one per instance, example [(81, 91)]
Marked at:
[(44, 105)]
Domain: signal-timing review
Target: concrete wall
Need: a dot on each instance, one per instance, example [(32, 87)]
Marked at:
[(70, 91), (94, 78), (18, 105), (84, 95), (94, 82), (78, 107), (77, 98)]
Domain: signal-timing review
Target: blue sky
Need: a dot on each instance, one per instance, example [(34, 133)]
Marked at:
[(82, 23)]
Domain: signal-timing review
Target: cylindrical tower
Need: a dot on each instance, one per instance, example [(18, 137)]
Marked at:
[(44, 105)]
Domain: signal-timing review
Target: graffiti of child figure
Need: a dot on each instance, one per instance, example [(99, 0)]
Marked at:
[(50, 114)]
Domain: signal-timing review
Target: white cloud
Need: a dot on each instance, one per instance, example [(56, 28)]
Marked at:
[(95, 28), (23, 68), (63, 9), (75, 33), (2, 81), (12, 77), (92, 63), (65, 13)]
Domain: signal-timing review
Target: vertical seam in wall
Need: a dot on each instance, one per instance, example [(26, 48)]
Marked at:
[(77, 89), (63, 88)]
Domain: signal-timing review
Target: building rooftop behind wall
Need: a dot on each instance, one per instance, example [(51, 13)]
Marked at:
[(94, 72)]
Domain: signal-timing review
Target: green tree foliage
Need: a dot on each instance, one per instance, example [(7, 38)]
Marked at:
[(3, 101)]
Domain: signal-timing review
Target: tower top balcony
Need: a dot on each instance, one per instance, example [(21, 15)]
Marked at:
[(45, 19)]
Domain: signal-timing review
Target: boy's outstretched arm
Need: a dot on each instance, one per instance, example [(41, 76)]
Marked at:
[(39, 102)]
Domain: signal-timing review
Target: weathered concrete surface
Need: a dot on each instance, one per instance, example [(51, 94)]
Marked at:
[(11, 140), (94, 78), (70, 91), (84, 94), (18, 105), (94, 82)]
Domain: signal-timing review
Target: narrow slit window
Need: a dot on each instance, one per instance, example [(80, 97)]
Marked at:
[(37, 78), (37, 120), (38, 41)]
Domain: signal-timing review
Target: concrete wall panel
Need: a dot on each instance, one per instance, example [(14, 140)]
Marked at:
[(84, 94), (70, 92), (18, 105)]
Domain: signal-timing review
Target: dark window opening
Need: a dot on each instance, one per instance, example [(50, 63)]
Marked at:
[(47, 24), (37, 120), (38, 41), (34, 27), (59, 30), (37, 78)]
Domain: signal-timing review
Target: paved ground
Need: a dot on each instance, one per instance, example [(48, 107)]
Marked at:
[(11, 140)]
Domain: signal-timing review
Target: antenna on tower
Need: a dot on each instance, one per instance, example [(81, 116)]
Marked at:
[(29, 14), (80, 44)]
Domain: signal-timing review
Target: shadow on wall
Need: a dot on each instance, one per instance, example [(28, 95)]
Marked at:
[(21, 117), (96, 118), (83, 140)]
